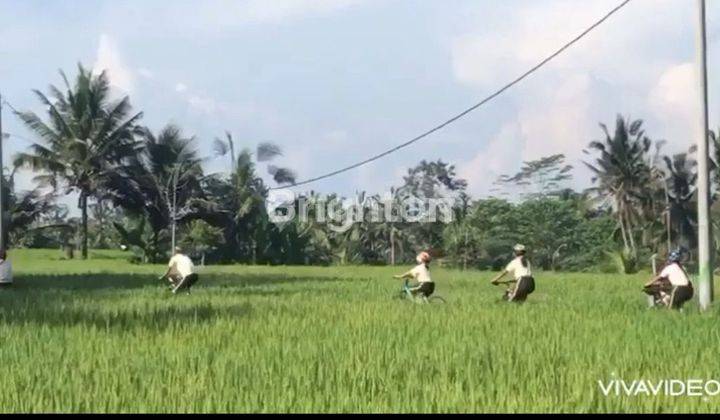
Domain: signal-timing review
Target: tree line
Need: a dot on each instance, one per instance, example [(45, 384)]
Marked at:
[(133, 183)]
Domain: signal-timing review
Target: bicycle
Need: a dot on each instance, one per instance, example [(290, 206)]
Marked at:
[(406, 294), (511, 291)]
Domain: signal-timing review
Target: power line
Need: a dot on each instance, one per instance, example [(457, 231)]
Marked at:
[(14, 110), (467, 111)]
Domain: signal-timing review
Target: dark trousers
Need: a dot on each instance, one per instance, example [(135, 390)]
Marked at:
[(680, 295), (187, 282), (426, 289), (521, 290)]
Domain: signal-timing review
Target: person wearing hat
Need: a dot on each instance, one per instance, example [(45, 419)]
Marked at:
[(519, 268), (180, 272), (672, 287), (421, 274)]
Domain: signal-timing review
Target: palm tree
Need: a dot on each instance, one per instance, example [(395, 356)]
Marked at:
[(681, 179), (235, 203), (226, 147), (715, 157), (265, 152), (83, 141), (304, 240), (25, 211), (102, 233), (461, 242), (621, 174), (157, 182), (654, 203), (395, 231)]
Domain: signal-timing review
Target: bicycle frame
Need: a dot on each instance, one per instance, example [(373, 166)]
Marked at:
[(406, 289), (407, 293)]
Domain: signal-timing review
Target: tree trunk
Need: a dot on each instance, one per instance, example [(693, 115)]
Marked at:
[(254, 251), (84, 232), (465, 254), (668, 225), (633, 247), (392, 246), (622, 231)]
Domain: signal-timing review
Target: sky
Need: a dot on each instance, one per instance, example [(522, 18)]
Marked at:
[(336, 81)]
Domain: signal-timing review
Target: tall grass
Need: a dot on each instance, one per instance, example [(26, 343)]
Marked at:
[(106, 336)]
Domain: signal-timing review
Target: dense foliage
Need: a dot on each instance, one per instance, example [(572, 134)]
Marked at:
[(136, 187)]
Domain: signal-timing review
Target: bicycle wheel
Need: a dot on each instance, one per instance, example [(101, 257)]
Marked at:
[(436, 299), (400, 295)]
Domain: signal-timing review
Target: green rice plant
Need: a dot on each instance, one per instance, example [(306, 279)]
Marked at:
[(107, 336)]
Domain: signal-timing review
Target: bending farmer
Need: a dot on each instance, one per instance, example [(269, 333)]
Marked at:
[(519, 268), (180, 272), (672, 287)]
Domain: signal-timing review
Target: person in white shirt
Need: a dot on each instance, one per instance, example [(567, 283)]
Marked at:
[(6, 278), (180, 272), (421, 274), (672, 287), (519, 268)]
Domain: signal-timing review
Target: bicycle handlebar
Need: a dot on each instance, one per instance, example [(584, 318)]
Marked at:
[(504, 282)]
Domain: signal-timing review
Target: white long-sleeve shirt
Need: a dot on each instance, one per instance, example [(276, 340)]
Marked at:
[(421, 274), (675, 274), (517, 270), (182, 265)]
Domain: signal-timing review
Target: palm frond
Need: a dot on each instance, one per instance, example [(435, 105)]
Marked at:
[(268, 151), (282, 175), (220, 147)]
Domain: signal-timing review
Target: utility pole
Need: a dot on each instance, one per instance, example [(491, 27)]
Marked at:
[(2, 201), (174, 208), (392, 244), (705, 252)]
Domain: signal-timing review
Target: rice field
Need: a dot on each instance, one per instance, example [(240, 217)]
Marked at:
[(107, 336)]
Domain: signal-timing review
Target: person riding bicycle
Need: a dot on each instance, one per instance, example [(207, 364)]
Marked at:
[(421, 274), (520, 269), (672, 287), (180, 272)]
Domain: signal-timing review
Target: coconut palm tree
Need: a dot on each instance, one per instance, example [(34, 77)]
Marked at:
[(226, 147), (236, 203), (715, 158), (621, 173), (159, 182), (265, 152), (83, 140), (461, 242), (681, 179)]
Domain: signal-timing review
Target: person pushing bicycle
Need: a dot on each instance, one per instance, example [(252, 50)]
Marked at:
[(421, 274), (180, 272), (523, 280)]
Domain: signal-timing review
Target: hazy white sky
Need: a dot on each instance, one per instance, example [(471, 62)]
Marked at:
[(334, 81)]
